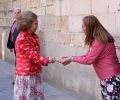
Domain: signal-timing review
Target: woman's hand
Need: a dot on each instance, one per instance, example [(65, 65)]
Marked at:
[(51, 60), (64, 60)]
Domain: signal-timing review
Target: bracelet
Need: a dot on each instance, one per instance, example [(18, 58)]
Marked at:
[(54, 60)]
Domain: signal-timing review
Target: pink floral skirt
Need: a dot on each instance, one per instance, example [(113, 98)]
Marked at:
[(28, 88)]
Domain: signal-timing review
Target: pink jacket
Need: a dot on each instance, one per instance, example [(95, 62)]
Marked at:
[(103, 57)]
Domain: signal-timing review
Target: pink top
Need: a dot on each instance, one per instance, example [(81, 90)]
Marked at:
[(103, 57)]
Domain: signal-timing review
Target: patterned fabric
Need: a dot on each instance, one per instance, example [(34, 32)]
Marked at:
[(28, 59), (28, 88), (111, 88), (13, 27)]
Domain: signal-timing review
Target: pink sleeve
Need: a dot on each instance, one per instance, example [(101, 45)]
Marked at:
[(92, 54)]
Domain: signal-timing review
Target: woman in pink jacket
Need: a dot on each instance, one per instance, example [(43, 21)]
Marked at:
[(102, 55)]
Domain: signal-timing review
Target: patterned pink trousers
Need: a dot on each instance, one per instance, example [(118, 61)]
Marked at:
[(28, 88)]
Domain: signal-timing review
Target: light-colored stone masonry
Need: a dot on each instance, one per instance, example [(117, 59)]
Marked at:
[(61, 34)]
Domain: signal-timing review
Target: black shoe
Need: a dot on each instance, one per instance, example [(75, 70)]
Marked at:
[(13, 83)]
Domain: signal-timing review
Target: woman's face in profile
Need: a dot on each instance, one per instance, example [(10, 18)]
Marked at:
[(34, 26)]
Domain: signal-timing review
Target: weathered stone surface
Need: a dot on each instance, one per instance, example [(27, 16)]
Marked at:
[(43, 2), (75, 23), (49, 10), (41, 11), (77, 7), (77, 40), (17, 4), (60, 7), (3, 22), (118, 24), (9, 5), (100, 6), (23, 5), (64, 24), (114, 5), (1, 30)]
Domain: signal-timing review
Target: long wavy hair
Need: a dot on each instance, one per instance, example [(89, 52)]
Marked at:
[(95, 30)]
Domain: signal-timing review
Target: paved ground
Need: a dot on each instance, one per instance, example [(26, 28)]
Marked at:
[(6, 88)]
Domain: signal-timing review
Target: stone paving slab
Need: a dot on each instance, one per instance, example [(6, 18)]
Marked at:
[(6, 87)]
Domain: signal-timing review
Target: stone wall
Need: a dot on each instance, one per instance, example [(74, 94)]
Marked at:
[(1, 44), (61, 34)]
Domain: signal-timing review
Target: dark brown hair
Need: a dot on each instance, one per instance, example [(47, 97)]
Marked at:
[(25, 20), (95, 30)]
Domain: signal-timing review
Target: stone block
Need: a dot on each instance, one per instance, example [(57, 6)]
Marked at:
[(117, 24), (64, 39), (117, 41), (3, 22), (41, 11), (10, 14), (75, 81), (42, 22), (47, 37), (50, 22), (1, 30), (49, 10), (33, 3), (33, 10), (77, 40), (17, 4), (100, 6), (59, 8), (9, 5), (1, 14), (52, 74), (86, 89), (114, 5), (43, 2), (64, 23), (75, 23), (59, 24), (23, 5), (50, 2), (36, 3), (47, 2), (97, 90), (2, 6), (77, 7), (29, 4), (47, 23), (8, 22)]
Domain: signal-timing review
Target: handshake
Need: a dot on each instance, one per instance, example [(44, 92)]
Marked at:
[(63, 60)]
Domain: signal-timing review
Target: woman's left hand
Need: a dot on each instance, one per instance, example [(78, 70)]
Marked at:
[(51, 60)]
